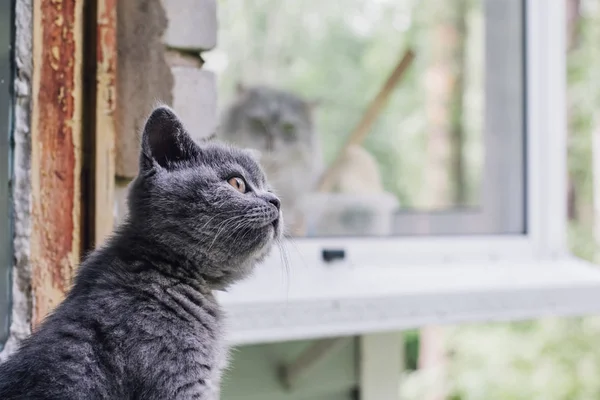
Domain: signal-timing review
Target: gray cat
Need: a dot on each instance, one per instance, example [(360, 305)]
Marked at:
[(141, 321), (280, 126)]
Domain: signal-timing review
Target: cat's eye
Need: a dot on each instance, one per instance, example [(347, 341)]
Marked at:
[(238, 184), (257, 124), (289, 131)]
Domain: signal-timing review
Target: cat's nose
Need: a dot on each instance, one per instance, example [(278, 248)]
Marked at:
[(271, 198)]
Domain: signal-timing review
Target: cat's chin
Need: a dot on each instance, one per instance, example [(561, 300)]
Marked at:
[(272, 234), (261, 254)]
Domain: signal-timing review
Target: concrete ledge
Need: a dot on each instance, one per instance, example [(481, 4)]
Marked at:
[(192, 24), (144, 77), (195, 100)]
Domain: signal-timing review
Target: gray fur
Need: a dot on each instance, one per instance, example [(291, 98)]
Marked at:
[(280, 126), (141, 321)]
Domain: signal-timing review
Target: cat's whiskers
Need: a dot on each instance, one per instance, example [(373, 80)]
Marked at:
[(234, 230), (238, 228), (220, 228), (285, 261), (212, 218), (291, 240), (250, 220)]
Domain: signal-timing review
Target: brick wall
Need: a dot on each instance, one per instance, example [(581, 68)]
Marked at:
[(160, 48)]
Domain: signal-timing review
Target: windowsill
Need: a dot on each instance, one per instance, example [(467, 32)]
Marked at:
[(310, 302)]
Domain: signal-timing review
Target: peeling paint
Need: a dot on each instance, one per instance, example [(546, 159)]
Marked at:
[(106, 58), (20, 326), (107, 53), (56, 151)]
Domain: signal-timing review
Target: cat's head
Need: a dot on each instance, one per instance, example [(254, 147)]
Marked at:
[(209, 201), (269, 120)]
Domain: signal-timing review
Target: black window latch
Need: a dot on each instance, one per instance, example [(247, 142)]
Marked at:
[(330, 255)]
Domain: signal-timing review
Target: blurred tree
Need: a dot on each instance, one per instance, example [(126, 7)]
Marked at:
[(574, 185), (582, 105), (444, 178), (556, 359)]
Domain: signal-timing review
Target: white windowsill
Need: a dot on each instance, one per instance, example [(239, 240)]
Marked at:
[(312, 302)]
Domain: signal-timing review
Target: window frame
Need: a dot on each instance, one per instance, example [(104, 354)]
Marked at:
[(397, 283), (543, 195), (501, 206), (6, 99)]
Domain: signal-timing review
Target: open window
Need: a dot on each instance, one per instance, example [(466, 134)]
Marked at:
[(419, 134), (480, 238), (6, 23)]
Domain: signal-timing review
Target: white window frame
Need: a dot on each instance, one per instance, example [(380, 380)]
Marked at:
[(501, 204), (387, 284)]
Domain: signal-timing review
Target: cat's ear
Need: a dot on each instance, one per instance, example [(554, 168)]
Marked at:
[(165, 140), (314, 103), (256, 154), (240, 88)]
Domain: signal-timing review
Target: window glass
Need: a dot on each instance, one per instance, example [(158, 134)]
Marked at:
[(361, 139)]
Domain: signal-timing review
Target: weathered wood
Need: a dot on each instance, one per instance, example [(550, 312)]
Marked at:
[(105, 132), (56, 151), (359, 134)]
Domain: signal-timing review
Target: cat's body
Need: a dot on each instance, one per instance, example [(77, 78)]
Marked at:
[(138, 335), (358, 173), (141, 321), (280, 126)]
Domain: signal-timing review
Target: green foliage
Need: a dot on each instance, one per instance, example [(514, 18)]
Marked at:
[(542, 360), (556, 359), (411, 350), (581, 241), (583, 76)]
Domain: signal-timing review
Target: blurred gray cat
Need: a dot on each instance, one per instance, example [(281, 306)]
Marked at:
[(141, 321), (280, 126)]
